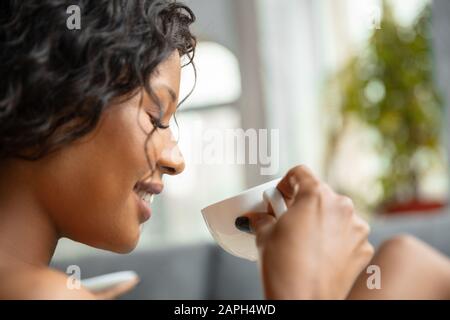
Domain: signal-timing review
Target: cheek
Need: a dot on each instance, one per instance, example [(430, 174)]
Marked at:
[(95, 178)]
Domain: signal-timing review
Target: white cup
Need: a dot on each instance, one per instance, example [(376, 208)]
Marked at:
[(220, 218)]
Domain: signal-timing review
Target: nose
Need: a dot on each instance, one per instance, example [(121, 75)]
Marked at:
[(171, 160)]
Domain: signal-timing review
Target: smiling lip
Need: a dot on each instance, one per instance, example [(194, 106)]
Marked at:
[(144, 192), (144, 207)]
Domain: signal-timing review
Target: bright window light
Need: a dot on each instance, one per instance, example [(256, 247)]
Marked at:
[(218, 77)]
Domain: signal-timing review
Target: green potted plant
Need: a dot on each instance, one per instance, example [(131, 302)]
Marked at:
[(389, 88)]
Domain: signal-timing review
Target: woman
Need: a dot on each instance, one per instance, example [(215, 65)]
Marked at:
[(84, 136)]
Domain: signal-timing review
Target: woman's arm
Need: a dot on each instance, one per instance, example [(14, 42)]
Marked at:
[(409, 269), (31, 283)]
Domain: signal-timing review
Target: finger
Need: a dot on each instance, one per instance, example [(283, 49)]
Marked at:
[(346, 205), (243, 222), (369, 252), (260, 224), (362, 225), (298, 180), (118, 290)]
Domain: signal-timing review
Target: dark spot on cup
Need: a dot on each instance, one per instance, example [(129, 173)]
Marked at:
[(243, 224)]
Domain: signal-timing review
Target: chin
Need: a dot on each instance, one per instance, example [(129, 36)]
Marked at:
[(128, 244), (124, 249), (123, 243)]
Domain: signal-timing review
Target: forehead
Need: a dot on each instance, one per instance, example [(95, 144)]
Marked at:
[(165, 82), (168, 73)]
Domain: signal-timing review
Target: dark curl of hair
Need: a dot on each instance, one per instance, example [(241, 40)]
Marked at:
[(55, 82)]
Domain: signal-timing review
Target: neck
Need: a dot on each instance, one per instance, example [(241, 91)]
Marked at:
[(27, 234)]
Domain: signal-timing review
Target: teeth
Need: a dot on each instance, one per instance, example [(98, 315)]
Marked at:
[(141, 194), (147, 197)]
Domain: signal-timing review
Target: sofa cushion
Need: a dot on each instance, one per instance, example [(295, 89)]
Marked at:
[(175, 273), (234, 278)]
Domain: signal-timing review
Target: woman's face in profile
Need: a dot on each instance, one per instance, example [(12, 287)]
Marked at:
[(88, 187)]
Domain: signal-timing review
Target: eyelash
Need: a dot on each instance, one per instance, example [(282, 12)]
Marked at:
[(155, 122)]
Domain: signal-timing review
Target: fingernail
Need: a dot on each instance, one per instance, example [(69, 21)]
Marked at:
[(243, 224)]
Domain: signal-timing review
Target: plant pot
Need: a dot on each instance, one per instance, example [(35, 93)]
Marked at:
[(414, 206)]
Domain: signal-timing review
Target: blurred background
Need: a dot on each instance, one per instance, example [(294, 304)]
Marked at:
[(357, 89)]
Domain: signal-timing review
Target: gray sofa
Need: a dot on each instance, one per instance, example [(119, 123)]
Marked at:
[(185, 272), (208, 272)]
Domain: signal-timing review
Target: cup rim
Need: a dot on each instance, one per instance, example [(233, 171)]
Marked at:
[(242, 193)]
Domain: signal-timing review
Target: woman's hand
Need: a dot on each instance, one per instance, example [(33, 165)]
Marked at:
[(317, 248)]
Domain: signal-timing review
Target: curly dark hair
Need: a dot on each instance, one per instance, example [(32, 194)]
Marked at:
[(55, 82)]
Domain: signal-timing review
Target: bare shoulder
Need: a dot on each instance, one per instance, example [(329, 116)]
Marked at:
[(38, 283)]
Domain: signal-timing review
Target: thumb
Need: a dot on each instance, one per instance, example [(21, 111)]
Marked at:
[(258, 223)]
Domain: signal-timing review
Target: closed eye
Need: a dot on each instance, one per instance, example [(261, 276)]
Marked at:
[(157, 123)]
